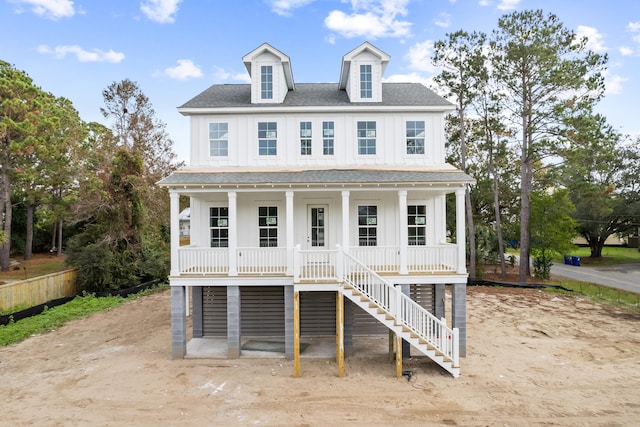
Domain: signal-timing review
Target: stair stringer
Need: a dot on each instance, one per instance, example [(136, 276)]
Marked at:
[(387, 319)]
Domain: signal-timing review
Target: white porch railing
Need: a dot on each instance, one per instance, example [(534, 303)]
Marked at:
[(315, 265), (435, 259)]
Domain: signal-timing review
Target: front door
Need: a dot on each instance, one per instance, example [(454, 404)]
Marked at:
[(316, 229)]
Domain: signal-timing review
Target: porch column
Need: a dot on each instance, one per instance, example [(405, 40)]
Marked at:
[(288, 322), (439, 309), (459, 313), (460, 231), (345, 221), (175, 231), (289, 232), (178, 323), (404, 231), (233, 232)]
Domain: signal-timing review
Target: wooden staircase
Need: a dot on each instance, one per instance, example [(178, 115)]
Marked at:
[(401, 314)]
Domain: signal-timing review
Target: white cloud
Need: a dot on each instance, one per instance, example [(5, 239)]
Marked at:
[(95, 55), (162, 11), (633, 26), (52, 9), (508, 4), (443, 20), (625, 51), (594, 38), (185, 70), (613, 83), (371, 19), (285, 7), (419, 57), (484, 3)]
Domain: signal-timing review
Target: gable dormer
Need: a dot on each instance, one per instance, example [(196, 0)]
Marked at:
[(271, 75), (361, 73)]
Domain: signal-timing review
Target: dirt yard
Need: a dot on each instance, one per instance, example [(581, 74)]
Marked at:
[(534, 358)]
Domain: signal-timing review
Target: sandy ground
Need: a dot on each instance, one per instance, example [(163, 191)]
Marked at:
[(534, 358)]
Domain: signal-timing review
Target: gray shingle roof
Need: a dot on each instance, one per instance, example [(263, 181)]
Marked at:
[(317, 94), (332, 176)]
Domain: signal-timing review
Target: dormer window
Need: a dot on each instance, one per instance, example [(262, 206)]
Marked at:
[(266, 82), (366, 82)]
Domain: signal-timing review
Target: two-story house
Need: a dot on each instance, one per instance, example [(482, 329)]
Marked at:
[(319, 210)]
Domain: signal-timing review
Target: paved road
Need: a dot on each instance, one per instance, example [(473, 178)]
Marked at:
[(623, 276)]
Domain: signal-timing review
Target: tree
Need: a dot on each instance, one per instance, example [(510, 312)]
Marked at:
[(21, 117), (552, 228), (546, 73), (463, 73)]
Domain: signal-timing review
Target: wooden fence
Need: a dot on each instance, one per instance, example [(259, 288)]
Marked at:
[(30, 292)]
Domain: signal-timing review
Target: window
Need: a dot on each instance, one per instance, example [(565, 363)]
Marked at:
[(305, 138), (219, 226), (218, 139), (267, 138), (266, 82), (415, 137), (417, 222), (366, 85), (366, 137), (268, 226), (327, 138), (367, 225)]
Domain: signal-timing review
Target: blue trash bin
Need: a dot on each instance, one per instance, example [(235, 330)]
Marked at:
[(567, 259), (575, 260)]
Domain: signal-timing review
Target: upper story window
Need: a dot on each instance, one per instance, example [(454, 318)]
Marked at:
[(218, 139), (367, 225), (417, 223), (219, 226), (366, 137), (366, 82), (266, 82), (328, 134), (268, 226), (415, 137), (305, 138), (267, 138)]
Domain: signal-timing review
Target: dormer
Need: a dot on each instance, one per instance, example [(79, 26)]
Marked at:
[(361, 73), (271, 75)]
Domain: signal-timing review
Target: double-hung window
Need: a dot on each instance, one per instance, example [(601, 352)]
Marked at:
[(268, 226), (366, 82), (366, 138), (415, 137), (266, 82), (417, 223), (305, 138), (367, 225), (218, 139), (328, 134), (267, 138), (219, 226)]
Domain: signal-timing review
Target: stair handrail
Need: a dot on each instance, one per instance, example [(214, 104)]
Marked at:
[(405, 311)]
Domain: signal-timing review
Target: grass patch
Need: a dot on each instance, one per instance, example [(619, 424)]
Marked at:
[(55, 317), (610, 255), (599, 293), (38, 265)]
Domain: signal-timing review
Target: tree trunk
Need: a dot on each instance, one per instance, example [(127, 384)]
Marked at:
[(59, 252), (5, 205), (28, 246), (469, 209), (496, 209)]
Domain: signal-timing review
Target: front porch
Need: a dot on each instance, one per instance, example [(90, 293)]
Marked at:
[(316, 265)]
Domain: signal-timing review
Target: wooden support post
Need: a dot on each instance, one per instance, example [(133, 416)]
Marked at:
[(392, 337), (398, 357), (296, 334), (340, 333)]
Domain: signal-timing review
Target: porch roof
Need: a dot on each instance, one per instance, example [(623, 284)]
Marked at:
[(315, 177)]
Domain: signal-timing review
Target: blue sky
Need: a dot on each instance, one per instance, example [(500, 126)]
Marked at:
[(174, 49)]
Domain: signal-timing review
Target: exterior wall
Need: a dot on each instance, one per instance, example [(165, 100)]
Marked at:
[(390, 137), (279, 84), (353, 88)]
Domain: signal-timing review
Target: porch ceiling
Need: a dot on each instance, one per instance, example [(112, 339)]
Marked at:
[(315, 178)]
